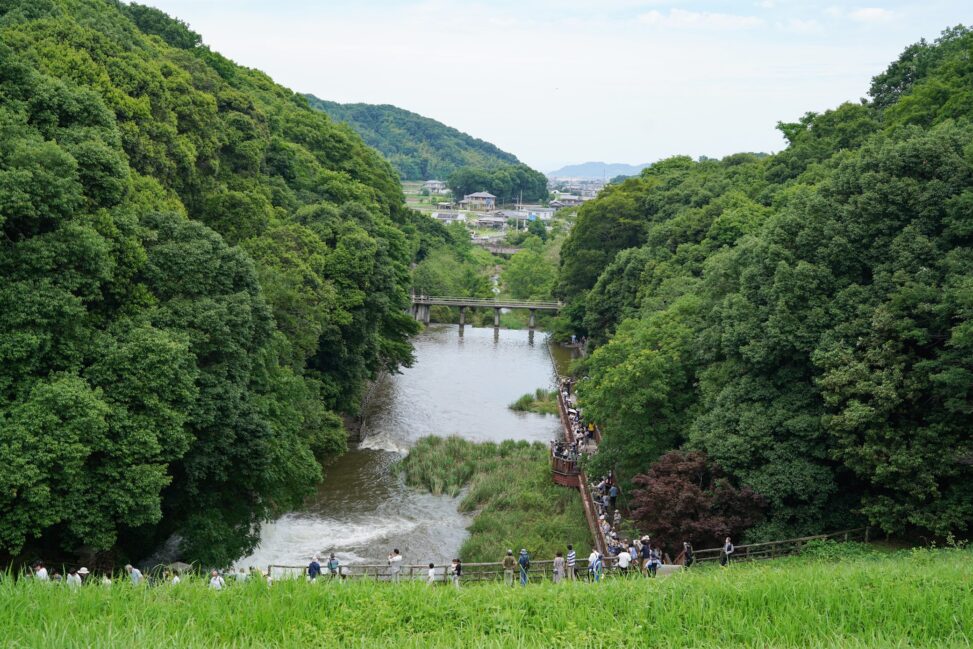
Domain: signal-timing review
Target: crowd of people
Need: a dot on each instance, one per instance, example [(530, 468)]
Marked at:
[(639, 553), (582, 431), (76, 577), (640, 556)]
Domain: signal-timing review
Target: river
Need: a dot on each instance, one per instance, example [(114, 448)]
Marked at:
[(460, 384)]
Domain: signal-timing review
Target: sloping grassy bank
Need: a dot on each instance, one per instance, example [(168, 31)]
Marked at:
[(510, 488), (919, 599)]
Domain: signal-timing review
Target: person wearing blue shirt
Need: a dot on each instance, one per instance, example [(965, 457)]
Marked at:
[(613, 495), (524, 563), (313, 569)]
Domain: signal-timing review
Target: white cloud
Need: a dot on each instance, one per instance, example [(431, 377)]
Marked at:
[(871, 15), (555, 86), (767, 4), (800, 26), (682, 19)]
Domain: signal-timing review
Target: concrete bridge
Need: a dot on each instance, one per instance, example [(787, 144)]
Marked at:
[(496, 247), (421, 304)]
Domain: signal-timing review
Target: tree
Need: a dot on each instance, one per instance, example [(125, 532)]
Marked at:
[(824, 362), (507, 182), (154, 379), (686, 497), (528, 276)]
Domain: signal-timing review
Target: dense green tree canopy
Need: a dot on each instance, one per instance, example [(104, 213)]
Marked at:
[(803, 318), (418, 147), (508, 183), (198, 274)]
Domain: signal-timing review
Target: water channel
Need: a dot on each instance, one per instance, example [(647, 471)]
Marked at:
[(461, 384)]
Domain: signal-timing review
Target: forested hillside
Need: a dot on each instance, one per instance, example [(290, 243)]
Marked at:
[(418, 147), (198, 273), (803, 319)]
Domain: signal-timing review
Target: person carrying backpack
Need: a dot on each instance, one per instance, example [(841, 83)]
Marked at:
[(728, 549), (646, 554), (334, 568), (595, 565), (655, 560), (524, 563), (687, 552)]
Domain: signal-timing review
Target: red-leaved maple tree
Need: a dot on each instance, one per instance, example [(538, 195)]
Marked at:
[(685, 497)]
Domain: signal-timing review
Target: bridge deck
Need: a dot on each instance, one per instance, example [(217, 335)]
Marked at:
[(486, 302)]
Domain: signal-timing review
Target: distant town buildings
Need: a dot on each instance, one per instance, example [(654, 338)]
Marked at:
[(568, 192)]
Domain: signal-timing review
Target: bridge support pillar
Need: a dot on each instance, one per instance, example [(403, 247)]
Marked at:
[(462, 316), (530, 322), (425, 313), (496, 317)]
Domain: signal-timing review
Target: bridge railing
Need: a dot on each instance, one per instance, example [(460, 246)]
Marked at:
[(485, 302)]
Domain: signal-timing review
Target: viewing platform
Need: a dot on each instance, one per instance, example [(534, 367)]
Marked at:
[(565, 472)]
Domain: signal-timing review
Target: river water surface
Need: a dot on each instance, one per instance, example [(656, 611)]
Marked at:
[(461, 384)]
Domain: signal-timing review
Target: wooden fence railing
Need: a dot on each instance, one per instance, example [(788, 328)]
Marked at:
[(774, 549), (539, 570)]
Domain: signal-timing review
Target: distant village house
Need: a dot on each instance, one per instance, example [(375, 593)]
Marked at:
[(479, 201), (491, 221), (435, 187), (446, 218), (533, 212), (563, 199)]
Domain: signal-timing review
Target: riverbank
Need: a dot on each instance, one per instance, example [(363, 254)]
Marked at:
[(509, 488), (920, 598)]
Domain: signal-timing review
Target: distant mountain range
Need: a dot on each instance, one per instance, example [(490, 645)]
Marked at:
[(607, 170), (418, 147)]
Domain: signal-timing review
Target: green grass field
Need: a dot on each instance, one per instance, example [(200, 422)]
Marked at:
[(907, 599)]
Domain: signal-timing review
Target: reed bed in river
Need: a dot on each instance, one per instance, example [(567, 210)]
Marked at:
[(906, 599), (510, 491), (543, 402)]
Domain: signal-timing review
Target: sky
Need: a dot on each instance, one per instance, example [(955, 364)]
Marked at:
[(567, 81)]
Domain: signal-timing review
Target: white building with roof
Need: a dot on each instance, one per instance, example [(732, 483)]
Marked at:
[(479, 201)]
